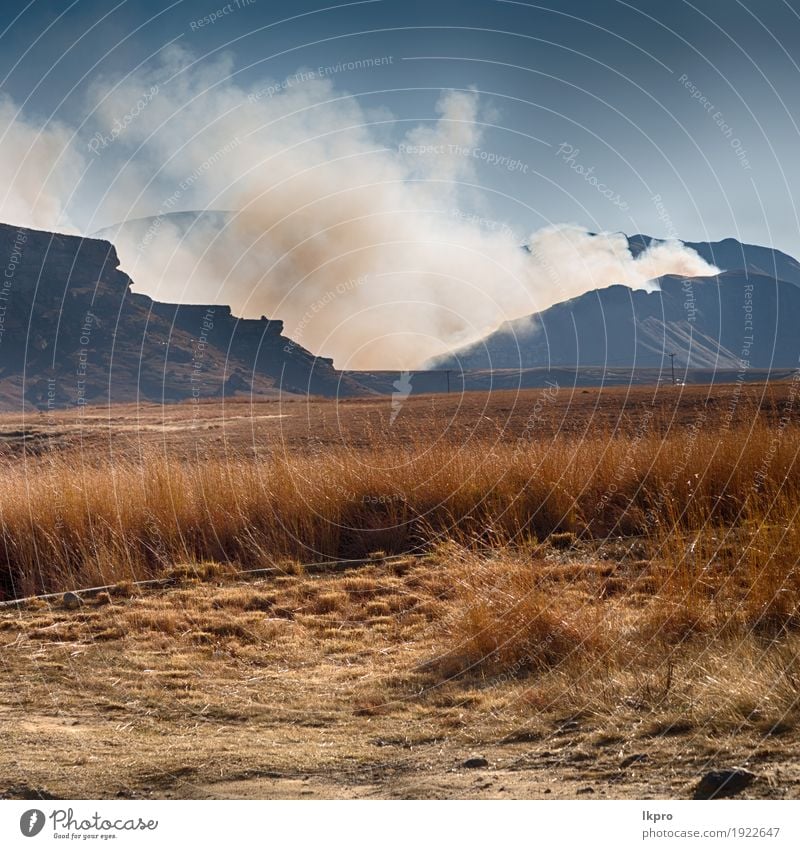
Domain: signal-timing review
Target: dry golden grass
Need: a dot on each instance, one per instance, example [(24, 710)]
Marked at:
[(643, 583), (658, 654), (374, 683), (65, 524)]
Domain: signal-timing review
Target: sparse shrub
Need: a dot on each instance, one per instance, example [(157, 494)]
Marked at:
[(378, 608), (328, 602), (563, 541), (289, 567), (504, 622), (123, 589)]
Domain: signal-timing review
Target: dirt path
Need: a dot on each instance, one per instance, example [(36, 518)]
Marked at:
[(219, 690)]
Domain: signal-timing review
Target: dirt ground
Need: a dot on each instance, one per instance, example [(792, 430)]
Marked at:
[(324, 686), (263, 688)]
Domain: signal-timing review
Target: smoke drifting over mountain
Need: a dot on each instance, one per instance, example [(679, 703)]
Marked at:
[(40, 166), (353, 236)]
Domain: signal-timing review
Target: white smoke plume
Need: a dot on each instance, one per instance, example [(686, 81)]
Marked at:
[(39, 168), (355, 238)]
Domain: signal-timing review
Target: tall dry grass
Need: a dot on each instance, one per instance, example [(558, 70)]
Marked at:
[(667, 659), (69, 524)]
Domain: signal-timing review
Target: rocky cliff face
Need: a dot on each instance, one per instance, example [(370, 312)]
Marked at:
[(73, 332)]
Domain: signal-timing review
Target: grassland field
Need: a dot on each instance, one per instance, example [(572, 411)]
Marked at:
[(582, 592)]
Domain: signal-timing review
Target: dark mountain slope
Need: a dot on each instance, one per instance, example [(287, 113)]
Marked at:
[(708, 322), (72, 332)]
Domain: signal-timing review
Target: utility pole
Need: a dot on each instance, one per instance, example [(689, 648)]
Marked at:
[(448, 381), (672, 360)]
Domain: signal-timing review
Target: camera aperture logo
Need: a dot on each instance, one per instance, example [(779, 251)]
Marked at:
[(31, 822), (402, 389), (67, 826)]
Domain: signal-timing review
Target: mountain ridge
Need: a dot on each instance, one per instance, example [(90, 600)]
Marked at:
[(742, 318), (74, 333)]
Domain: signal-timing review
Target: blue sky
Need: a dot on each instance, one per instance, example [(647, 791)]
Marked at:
[(692, 103)]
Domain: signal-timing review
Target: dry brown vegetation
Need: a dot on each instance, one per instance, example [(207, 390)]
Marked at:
[(382, 680), (65, 524), (582, 606)]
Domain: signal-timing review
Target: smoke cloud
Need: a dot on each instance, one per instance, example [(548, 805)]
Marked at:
[(355, 238), (40, 166)]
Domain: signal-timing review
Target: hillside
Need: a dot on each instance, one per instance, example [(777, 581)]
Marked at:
[(73, 332), (742, 319)]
